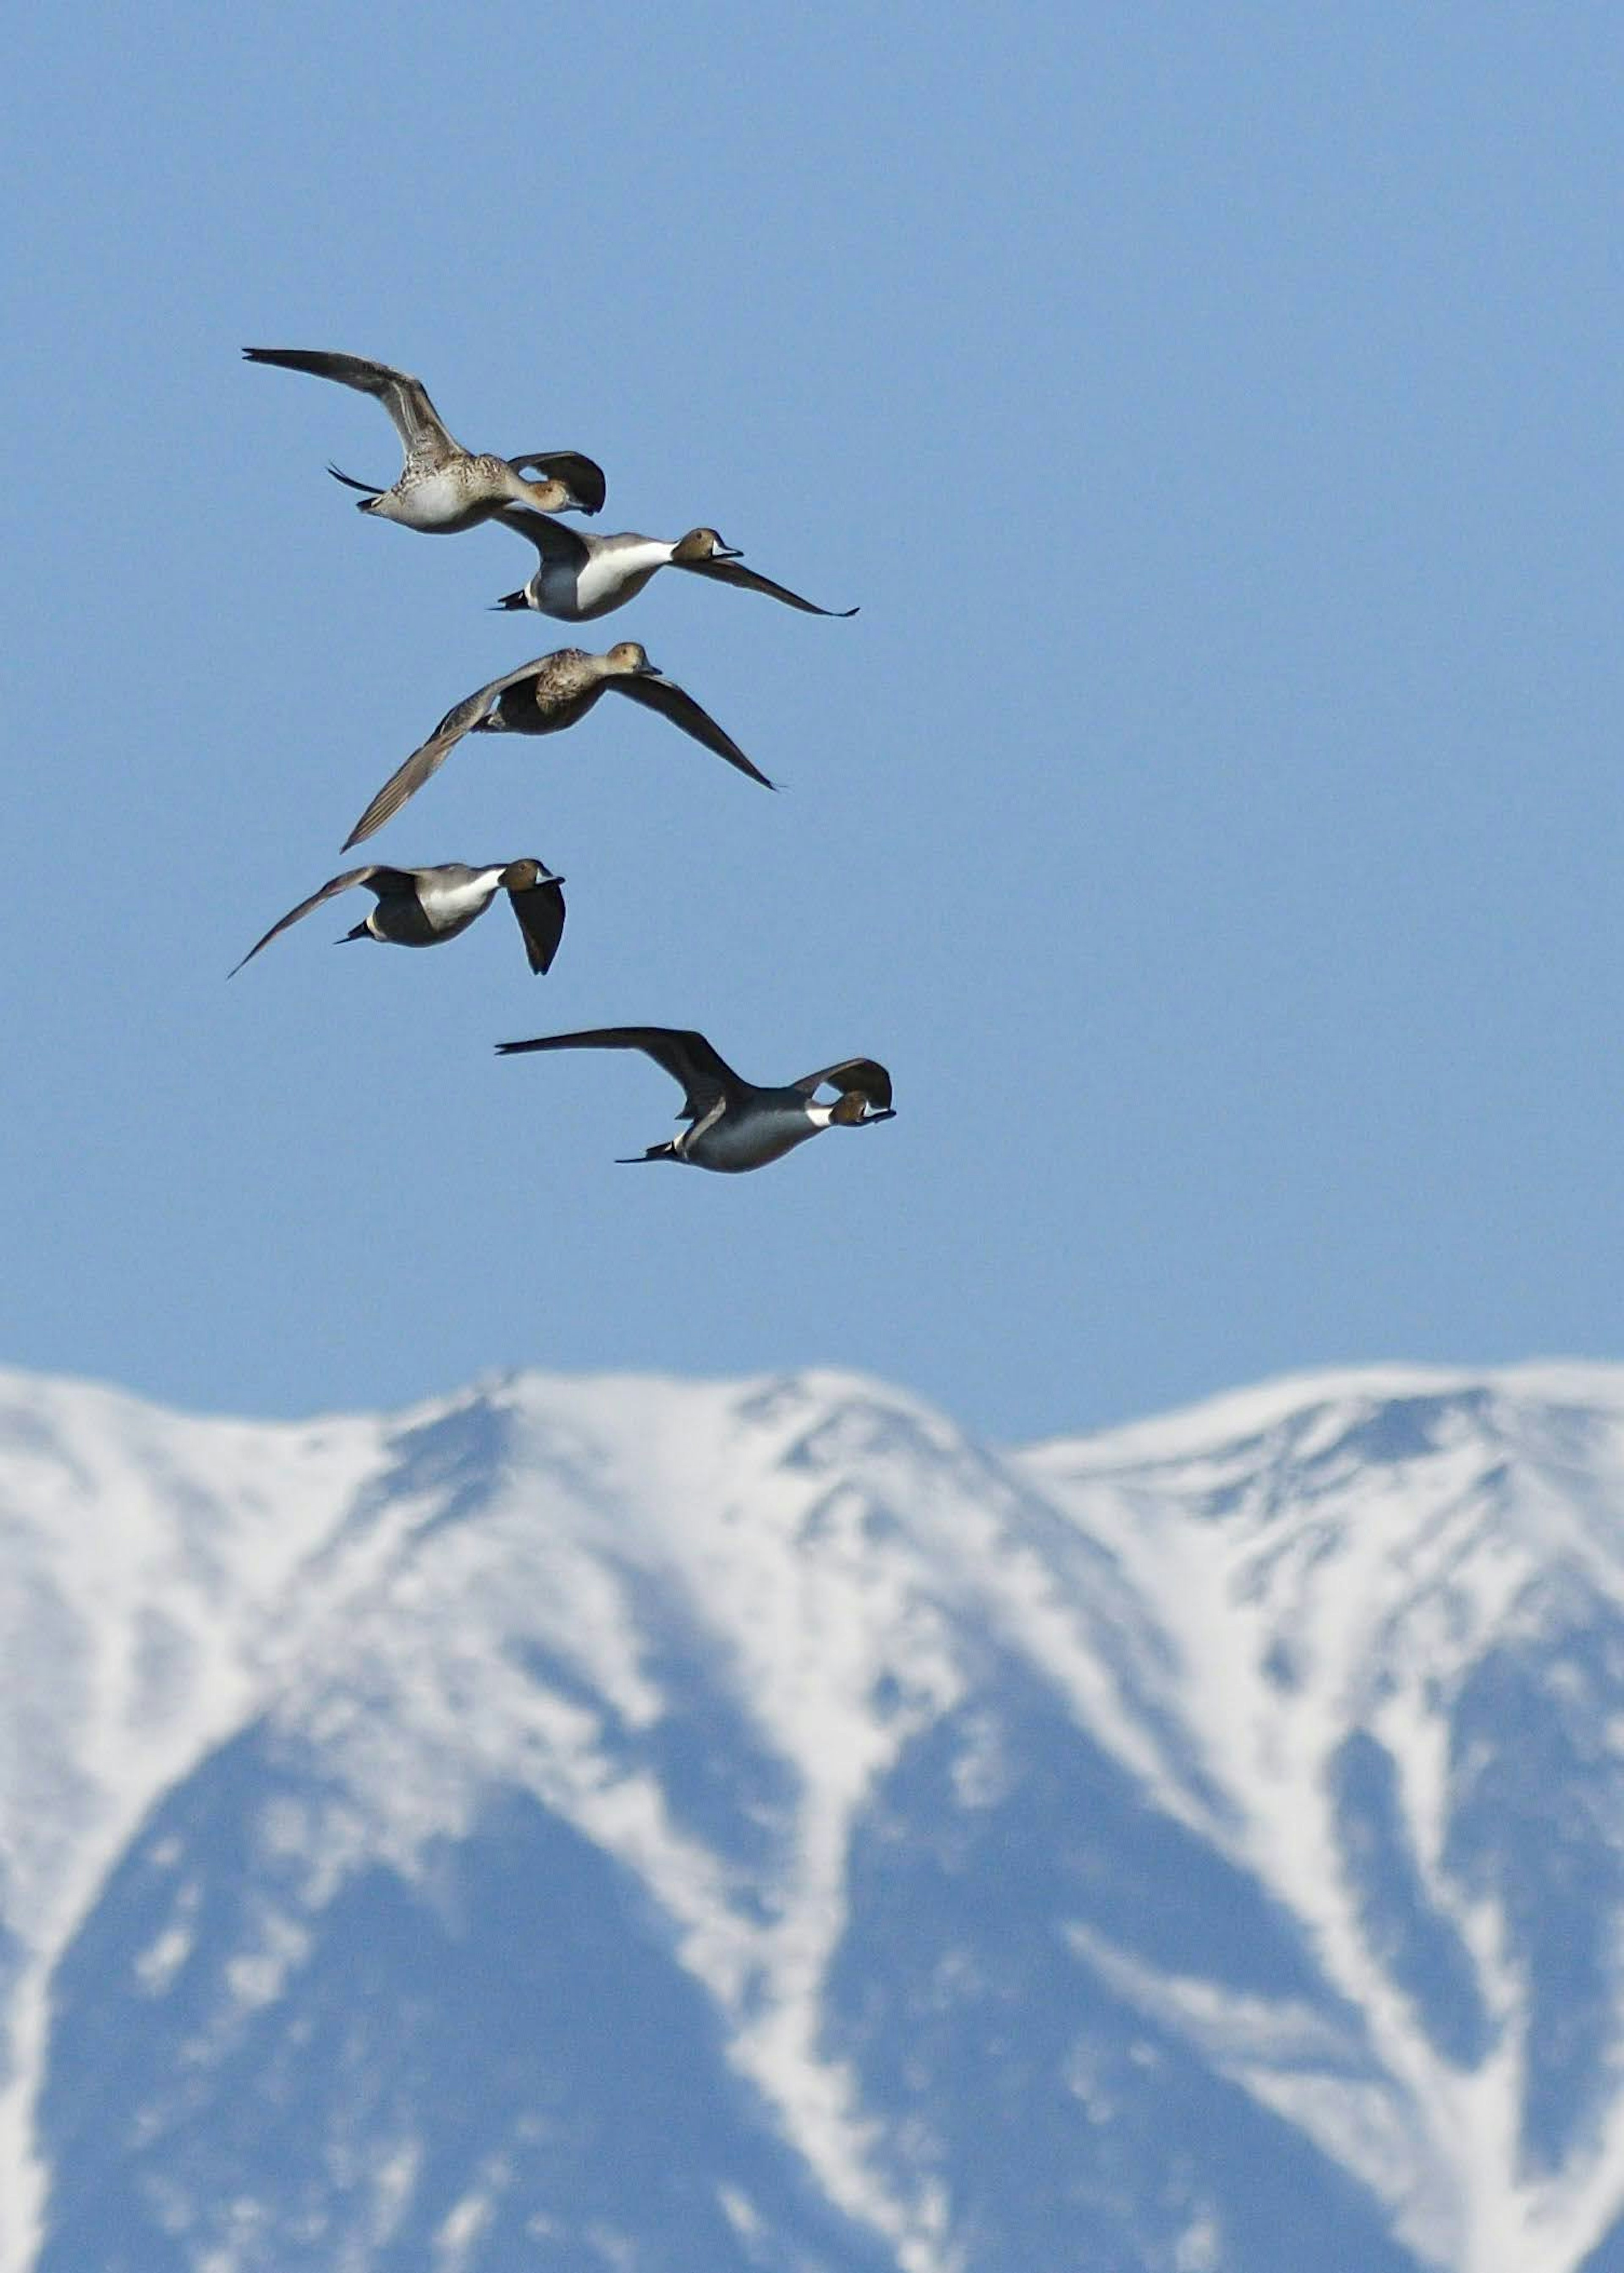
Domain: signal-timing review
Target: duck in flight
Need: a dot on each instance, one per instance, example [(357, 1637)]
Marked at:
[(580, 575), (443, 488), (544, 697), (732, 1124), (419, 907)]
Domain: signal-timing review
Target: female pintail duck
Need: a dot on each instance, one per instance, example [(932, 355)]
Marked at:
[(419, 907), (580, 575), (444, 488), (544, 697), (732, 1125)]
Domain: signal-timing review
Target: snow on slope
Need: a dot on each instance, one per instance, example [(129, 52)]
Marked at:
[(1337, 1559), (1359, 1636), (144, 1558)]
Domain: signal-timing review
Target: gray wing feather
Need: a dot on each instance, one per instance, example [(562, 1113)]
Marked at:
[(866, 1075), (655, 692), (734, 572), (705, 1076), (551, 539), (329, 890), (540, 910), (422, 430), (430, 756)]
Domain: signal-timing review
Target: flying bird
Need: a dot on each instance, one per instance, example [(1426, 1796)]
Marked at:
[(580, 575), (732, 1124), (543, 697), (419, 907), (443, 488)]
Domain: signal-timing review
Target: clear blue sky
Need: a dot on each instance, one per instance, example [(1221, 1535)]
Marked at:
[(1213, 816)]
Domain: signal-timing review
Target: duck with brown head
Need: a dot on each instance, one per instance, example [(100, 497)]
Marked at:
[(580, 575), (544, 697), (419, 907), (443, 488), (734, 1125)]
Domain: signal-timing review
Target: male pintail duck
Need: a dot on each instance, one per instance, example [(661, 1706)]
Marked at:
[(444, 488), (732, 1125), (419, 907), (544, 697), (580, 575)]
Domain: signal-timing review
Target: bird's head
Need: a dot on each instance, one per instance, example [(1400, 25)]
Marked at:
[(702, 544), (552, 496), (522, 875)]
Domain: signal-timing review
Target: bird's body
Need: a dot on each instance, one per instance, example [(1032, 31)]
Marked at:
[(444, 500), (442, 489), (753, 1133), (556, 691), (603, 578), (736, 1125), (580, 575), (419, 907), (544, 697)]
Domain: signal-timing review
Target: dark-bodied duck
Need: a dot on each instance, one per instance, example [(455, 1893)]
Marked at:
[(419, 907), (580, 575), (443, 488), (544, 697), (732, 1124)]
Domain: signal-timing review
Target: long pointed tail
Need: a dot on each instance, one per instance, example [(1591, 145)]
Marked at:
[(350, 483), (655, 1152)]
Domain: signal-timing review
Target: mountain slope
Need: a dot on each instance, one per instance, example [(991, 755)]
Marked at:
[(688, 1826)]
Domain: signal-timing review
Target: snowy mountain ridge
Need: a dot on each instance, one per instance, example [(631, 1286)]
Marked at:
[(1193, 1846)]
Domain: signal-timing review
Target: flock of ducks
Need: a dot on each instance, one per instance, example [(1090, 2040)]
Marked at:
[(732, 1124)]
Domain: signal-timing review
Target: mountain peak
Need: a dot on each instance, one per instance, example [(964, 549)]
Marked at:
[(1001, 1858)]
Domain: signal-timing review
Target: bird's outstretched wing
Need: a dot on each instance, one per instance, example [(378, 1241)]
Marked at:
[(864, 1077), (377, 879), (706, 1077), (655, 692), (734, 572), (430, 756), (582, 476), (549, 538), (540, 910), (418, 423)]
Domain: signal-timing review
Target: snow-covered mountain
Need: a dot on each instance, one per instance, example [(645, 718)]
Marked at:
[(678, 1828)]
